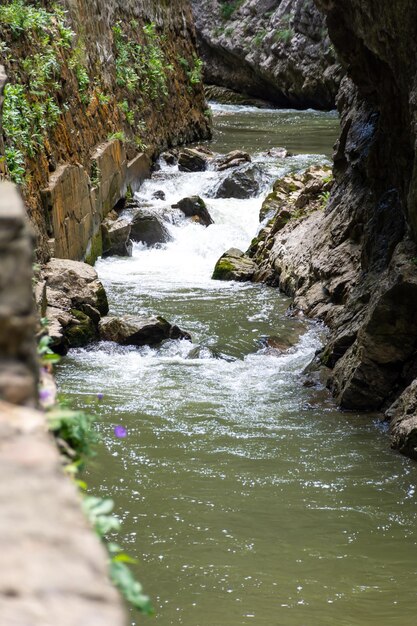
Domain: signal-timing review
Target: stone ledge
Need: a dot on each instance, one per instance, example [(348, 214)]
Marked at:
[(54, 569)]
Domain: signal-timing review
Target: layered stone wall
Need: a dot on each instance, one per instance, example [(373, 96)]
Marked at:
[(125, 87)]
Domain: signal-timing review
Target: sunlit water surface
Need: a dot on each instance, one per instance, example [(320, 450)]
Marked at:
[(246, 497)]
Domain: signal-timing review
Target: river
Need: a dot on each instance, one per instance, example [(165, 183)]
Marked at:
[(246, 497)]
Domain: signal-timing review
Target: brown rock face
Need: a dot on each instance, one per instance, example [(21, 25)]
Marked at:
[(81, 173), (276, 50)]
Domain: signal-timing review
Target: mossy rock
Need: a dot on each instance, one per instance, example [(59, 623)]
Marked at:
[(234, 265), (83, 332)]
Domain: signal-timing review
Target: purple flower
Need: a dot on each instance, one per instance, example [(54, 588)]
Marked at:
[(120, 432), (100, 396), (44, 394)]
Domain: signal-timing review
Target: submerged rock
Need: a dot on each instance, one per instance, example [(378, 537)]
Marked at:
[(195, 207), (149, 228), (116, 238), (139, 331), (234, 265), (242, 183)]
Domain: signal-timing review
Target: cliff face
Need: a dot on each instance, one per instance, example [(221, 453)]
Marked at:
[(92, 86), (354, 264), (277, 50)]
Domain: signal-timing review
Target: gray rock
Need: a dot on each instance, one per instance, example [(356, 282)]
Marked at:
[(240, 183), (139, 331), (192, 160), (403, 422), (148, 228), (270, 49), (233, 159), (75, 301), (195, 207), (234, 265), (116, 238)]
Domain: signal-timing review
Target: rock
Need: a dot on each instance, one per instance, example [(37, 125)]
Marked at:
[(403, 422), (241, 184), (75, 300), (274, 344), (159, 195), (192, 160), (72, 283), (116, 238), (195, 207), (267, 49), (139, 331), (278, 153), (223, 95), (81, 332), (148, 228), (234, 265), (233, 159), (170, 157)]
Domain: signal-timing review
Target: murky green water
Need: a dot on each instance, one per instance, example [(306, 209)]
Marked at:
[(246, 497)]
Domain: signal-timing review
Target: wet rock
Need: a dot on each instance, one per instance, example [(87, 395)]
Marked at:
[(75, 302), (274, 344), (241, 184), (170, 157), (195, 207), (278, 153), (403, 422), (234, 265), (233, 159), (148, 228), (116, 238), (192, 160), (81, 330), (159, 195), (139, 331)]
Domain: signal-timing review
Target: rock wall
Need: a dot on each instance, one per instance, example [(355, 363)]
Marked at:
[(354, 264), (277, 50), (18, 321), (95, 90)]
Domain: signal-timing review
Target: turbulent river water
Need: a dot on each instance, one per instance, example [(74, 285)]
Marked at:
[(246, 497)]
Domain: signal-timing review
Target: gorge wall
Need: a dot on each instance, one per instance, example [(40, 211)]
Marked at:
[(277, 50), (353, 263), (95, 89)]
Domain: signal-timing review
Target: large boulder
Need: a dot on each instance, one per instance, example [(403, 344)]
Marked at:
[(73, 300), (192, 160), (195, 207), (139, 331), (240, 183), (116, 238), (70, 284), (149, 228), (234, 265)]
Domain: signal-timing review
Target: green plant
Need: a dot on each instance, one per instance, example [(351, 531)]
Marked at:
[(324, 197), (195, 74), (259, 37), (284, 35), (45, 354), (141, 65), (117, 135), (30, 107), (228, 7), (129, 114)]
